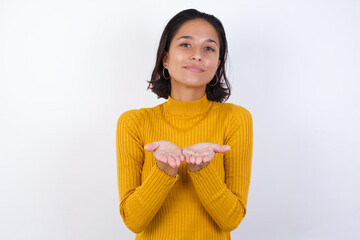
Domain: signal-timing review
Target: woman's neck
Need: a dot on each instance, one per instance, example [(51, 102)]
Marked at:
[(187, 94), (187, 108)]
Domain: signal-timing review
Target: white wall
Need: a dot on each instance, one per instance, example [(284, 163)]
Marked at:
[(68, 69)]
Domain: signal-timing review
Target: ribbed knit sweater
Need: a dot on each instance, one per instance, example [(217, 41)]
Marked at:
[(206, 204)]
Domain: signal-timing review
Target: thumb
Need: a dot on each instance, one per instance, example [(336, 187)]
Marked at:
[(151, 146), (221, 148)]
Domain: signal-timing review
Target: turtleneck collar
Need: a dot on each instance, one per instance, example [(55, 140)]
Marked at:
[(187, 109)]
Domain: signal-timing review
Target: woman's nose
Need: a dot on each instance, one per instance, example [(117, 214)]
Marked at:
[(196, 55), (196, 58)]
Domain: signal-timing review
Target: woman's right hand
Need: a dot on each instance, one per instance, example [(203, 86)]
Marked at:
[(167, 154)]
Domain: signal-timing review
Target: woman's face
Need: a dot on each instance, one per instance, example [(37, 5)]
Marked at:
[(193, 56)]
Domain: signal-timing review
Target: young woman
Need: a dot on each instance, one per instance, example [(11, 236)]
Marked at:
[(184, 166)]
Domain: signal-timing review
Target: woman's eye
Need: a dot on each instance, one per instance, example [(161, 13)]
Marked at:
[(210, 49), (185, 45)]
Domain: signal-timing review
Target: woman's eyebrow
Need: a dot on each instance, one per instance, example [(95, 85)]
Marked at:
[(207, 40)]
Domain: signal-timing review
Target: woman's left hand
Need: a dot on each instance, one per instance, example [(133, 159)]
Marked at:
[(200, 154)]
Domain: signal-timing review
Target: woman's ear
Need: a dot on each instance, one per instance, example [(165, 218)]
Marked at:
[(218, 63), (165, 59)]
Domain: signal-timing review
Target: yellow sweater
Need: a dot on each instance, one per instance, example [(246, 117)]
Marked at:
[(206, 204)]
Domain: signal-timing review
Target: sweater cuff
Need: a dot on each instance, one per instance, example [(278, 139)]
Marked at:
[(157, 182), (207, 180), (157, 170)]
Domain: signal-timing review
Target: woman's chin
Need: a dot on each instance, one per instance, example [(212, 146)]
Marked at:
[(194, 83)]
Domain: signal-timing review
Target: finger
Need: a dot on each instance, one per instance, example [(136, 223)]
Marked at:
[(220, 148), (186, 156), (198, 160), (192, 159), (171, 161), (151, 146), (177, 159), (162, 158), (182, 157), (207, 158)]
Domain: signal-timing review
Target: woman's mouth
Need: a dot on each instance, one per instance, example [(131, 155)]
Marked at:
[(194, 69)]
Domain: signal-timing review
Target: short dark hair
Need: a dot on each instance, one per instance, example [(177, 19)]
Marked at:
[(162, 87)]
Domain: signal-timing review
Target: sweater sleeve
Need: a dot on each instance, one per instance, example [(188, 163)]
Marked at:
[(139, 202), (226, 201)]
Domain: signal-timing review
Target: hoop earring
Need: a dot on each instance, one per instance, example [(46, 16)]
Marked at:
[(163, 72), (215, 82)]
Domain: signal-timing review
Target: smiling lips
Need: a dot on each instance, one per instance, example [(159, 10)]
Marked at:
[(194, 69)]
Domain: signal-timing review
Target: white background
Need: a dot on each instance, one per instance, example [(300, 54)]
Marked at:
[(68, 69)]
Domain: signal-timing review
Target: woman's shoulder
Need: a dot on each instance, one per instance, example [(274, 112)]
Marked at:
[(138, 114), (232, 109), (235, 116)]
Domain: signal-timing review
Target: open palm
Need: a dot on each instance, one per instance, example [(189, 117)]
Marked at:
[(203, 152), (166, 152)]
